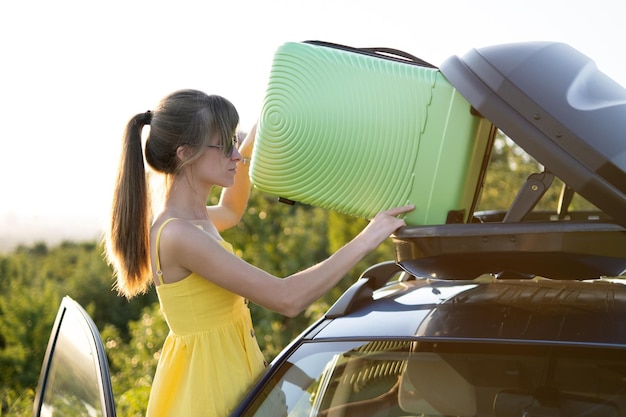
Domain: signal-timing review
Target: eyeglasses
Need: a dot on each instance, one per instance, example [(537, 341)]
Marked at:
[(228, 148)]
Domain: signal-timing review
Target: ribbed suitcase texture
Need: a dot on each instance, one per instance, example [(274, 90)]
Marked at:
[(359, 133)]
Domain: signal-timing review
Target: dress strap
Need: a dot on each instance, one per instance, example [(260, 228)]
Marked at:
[(159, 272)]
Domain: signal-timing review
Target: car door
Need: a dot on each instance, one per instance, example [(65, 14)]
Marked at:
[(74, 379)]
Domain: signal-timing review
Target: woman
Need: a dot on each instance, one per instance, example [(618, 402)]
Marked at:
[(211, 356)]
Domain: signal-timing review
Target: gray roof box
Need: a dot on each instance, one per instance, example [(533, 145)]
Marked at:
[(554, 102)]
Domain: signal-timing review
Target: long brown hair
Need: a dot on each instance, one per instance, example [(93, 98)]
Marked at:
[(185, 117)]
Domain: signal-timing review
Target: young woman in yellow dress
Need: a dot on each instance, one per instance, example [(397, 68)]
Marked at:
[(211, 355)]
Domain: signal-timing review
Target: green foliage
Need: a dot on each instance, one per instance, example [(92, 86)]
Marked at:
[(17, 403), (32, 282)]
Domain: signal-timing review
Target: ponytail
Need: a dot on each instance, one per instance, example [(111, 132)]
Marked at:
[(128, 239)]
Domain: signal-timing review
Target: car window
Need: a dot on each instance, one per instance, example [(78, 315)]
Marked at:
[(75, 379), (322, 375), (407, 378)]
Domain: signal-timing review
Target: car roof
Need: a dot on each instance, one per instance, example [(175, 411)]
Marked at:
[(537, 310)]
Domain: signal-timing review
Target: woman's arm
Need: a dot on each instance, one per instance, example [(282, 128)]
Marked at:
[(183, 245), (234, 200)]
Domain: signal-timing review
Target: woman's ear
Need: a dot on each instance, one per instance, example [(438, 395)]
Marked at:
[(183, 153)]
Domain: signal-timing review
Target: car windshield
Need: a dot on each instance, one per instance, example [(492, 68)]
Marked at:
[(410, 378)]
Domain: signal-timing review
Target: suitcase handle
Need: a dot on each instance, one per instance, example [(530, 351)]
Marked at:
[(399, 53), (381, 52)]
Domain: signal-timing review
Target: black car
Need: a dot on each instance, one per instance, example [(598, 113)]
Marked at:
[(516, 313)]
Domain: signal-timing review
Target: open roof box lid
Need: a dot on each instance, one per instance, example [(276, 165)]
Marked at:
[(554, 102)]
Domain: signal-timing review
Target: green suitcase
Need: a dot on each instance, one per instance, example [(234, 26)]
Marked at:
[(363, 130)]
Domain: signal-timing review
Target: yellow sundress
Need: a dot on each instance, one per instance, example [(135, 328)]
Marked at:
[(211, 355)]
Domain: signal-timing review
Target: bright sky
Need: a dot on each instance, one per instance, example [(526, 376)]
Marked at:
[(74, 71)]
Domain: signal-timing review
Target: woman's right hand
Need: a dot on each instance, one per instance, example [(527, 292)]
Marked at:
[(383, 225)]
